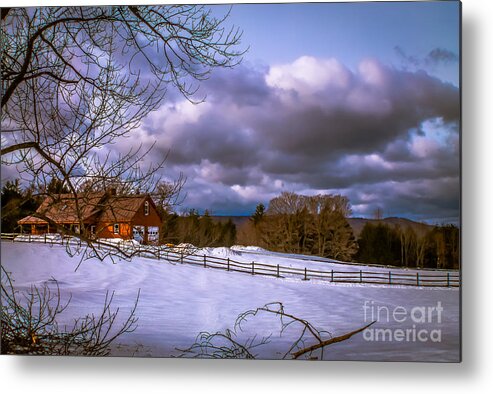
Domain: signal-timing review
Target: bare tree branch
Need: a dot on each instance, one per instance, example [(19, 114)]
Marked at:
[(30, 323)]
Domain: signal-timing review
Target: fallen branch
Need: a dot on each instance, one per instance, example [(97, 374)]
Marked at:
[(229, 344), (329, 341)]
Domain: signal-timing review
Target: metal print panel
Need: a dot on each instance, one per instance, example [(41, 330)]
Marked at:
[(259, 181)]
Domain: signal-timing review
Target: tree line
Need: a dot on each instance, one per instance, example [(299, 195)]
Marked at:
[(318, 225), (291, 223), (195, 229), (394, 245)]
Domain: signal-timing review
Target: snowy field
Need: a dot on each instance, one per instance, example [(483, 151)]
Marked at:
[(177, 302), (248, 254)]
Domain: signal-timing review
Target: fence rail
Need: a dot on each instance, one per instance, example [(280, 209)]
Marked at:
[(380, 277)]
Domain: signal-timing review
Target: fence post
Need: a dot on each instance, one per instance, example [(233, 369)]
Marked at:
[(360, 276), (331, 275), (253, 267), (306, 278), (448, 279), (228, 264), (278, 271), (45, 237), (205, 261), (417, 278), (390, 278), (159, 253), (181, 257)]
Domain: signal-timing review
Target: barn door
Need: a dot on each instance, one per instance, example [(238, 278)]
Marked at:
[(138, 233)]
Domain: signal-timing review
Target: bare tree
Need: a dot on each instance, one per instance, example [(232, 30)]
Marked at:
[(409, 246), (285, 222), (29, 323), (75, 80), (333, 237), (309, 224)]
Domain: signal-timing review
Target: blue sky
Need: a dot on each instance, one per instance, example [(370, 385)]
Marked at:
[(279, 33)]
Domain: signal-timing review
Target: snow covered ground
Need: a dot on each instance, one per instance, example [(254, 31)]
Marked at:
[(179, 301)]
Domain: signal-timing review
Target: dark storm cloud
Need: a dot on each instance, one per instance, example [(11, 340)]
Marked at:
[(212, 138), (435, 201), (242, 85), (366, 118), (315, 125), (221, 201), (355, 170)]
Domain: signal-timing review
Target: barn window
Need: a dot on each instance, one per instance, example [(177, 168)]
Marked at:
[(116, 228), (93, 229), (146, 208)]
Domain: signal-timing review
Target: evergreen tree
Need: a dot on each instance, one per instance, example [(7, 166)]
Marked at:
[(56, 186), (16, 204), (229, 233), (258, 214), (379, 244)]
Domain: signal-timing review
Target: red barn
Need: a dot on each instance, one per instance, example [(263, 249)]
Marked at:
[(102, 215)]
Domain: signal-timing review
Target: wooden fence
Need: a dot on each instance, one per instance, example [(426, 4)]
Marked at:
[(396, 277)]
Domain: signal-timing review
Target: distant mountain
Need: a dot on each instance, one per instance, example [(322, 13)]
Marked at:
[(420, 229), (356, 224)]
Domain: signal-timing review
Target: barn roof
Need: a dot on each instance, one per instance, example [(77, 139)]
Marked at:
[(121, 209), (31, 220), (64, 208)]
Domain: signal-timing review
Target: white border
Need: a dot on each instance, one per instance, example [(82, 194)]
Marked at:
[(122, 376)]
